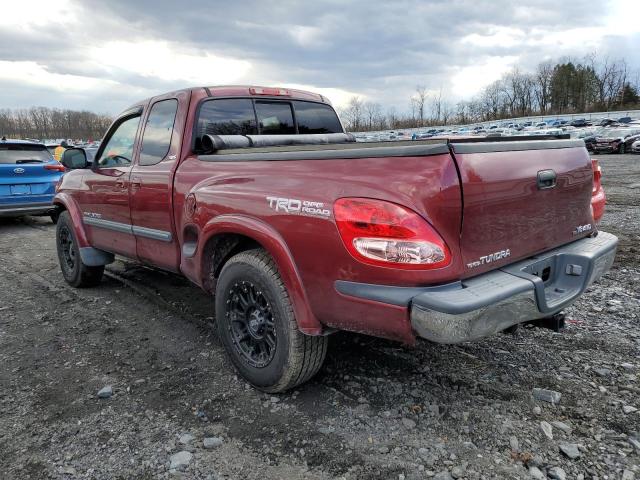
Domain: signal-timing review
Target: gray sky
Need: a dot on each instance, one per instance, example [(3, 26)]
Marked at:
[(103, 55)]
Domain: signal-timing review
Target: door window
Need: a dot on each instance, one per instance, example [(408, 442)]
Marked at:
[(156, 139), (118, 150)]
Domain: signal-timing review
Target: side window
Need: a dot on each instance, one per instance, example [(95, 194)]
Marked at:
[(119, 147), (275, 118), (227, 117), (316, 118), (156, 139)]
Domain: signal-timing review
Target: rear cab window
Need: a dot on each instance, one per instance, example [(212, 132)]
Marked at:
[(248, 116), (275, 118), (316, 118), (18, 153)]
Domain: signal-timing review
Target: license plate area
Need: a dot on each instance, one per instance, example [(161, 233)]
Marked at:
[(20, 190)]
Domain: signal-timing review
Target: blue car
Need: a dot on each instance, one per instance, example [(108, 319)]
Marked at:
[(28, 177)]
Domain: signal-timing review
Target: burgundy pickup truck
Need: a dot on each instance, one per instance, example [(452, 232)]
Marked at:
[(258, 196)]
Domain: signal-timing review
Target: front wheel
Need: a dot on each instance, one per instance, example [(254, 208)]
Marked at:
[(257, 326), (75, 272)]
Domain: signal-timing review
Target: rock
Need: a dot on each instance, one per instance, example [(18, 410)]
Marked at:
[(185, 439), (444, 475), (547, 429), (212, 442), (383, 450), (535, 472), (408, 423), (514, 444), (628, 366), (274, 399), (105, 392), (635, 443), (570, 450), (562, 426), (457, 472), (180, 461), (557, 473), (549, 396), (629, 409), (603, 372), (628, 475), (537, 410)]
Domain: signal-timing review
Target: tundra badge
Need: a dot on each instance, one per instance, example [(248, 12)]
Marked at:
[(492, 257)]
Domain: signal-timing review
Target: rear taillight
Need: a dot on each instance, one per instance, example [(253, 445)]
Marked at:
[(597, 175), (385, 234), (57, 167)]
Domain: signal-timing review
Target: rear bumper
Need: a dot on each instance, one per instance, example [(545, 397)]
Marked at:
[(17, 209), (491, 302)]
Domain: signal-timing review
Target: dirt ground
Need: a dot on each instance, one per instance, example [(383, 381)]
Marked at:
[(377, 410)]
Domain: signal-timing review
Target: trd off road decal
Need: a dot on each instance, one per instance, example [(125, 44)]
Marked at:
[(294, 206)]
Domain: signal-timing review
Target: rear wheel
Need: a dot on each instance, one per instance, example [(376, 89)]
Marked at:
[(74, 271), (257, 326)]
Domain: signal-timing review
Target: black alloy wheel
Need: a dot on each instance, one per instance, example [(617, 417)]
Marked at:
[(68, 253), (251, 324)]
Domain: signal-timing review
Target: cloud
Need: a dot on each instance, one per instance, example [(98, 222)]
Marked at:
[(105, 55)]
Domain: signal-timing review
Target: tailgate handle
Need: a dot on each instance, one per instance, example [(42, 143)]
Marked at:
[(546, 179)]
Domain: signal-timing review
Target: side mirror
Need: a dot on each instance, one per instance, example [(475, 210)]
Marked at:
[(74, 158)]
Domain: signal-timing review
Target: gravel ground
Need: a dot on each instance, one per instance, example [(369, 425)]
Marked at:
[(377, 410)]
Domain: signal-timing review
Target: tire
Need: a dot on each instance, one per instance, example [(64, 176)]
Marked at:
[(257, 326), (74, 271)]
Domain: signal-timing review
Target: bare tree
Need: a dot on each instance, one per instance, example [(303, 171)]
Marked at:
[(418, 101), (373, 115), (354, 114)]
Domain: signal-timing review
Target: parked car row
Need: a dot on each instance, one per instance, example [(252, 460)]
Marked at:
[(607, 136)]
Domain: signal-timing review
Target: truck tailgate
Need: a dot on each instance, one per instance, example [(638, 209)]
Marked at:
[(521, 198)]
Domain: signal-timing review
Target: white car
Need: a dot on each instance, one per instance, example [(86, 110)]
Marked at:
[(635, 147)]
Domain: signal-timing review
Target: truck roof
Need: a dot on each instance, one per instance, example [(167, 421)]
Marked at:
[(255, 91)]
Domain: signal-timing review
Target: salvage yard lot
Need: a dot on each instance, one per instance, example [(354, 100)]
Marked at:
[(376, 410)]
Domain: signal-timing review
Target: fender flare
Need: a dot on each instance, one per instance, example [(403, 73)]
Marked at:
[(67, 202), (90, 256), (273, 243)]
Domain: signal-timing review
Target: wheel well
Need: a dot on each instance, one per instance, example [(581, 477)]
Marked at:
[(218, 250)]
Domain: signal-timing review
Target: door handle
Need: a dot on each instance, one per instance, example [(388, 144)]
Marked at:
[(546, 179), (136, 183)]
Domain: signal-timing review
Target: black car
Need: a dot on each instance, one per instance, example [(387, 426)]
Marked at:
[(579, 122), (605, 122), (625, 120)]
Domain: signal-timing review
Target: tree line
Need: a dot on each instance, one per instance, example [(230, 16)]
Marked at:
[(52, 123), (565, 87)]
